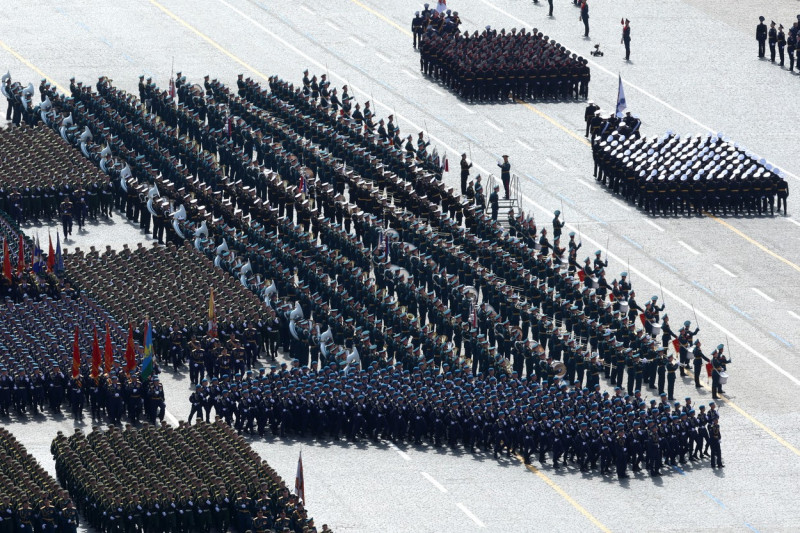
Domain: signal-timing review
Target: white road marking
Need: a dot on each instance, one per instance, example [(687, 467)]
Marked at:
[(400, 452), (623, 206), (524, 145), (765, 296), (725, 270), (794, 314), (493, 125), (554, 164), (695, 252), (641, 275), (587, 184), (410, 75), (659, 228), (470, 515), (332, 25), (307, 10), (433, 481), (793, 221), (358, 42), (383, 57), (434, 89), (465, 108)]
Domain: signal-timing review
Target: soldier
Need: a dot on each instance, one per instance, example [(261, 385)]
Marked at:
[(715, 437), (465, 166), (626, 38), (781, 43), (494, 201), (761, 37), (505, 174), (773, 40), (584, 17)]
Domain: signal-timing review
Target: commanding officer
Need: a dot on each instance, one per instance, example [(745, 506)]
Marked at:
[(585, 17), (494, 201), (626, 38), (699, 357), (505, 174), (761, 37), (465, 166)]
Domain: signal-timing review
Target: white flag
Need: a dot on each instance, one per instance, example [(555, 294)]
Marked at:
[(299, 485), (621, 103)]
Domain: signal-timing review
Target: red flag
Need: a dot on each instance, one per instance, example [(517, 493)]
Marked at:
[(446, 164), (108, 351), (51, 255), (76, 356), (130, 351), (709, 369), (21, 260), (299, 485), (95, 356), (6, 261), (676, 345), (641, 317), (611, 296), (581, 275), (172, 87)]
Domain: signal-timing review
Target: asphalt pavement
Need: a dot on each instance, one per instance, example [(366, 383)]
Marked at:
[(694, 69)]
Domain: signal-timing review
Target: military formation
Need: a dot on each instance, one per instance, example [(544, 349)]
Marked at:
[(675, 175), (30, 499), (175, 479), (785, 42), (498, 66), (497, 413)]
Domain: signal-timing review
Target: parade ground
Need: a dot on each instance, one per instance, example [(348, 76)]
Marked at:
[(693, 70)]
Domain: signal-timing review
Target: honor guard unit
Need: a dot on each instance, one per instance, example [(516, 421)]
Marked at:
[(492, 65), (674, 174)]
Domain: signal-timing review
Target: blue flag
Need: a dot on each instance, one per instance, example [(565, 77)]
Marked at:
[(147, 363), (622, 105), (37, 256), (59, 259)]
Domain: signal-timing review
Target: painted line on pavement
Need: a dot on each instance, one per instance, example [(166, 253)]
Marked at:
[(307, 10), (754, 242), (701, 286), (666, 264), (695, 252), (435, 90), (33, 67), (357, 41), (561, 492), (383, 17), (794, 314), (470, 515), (332, 25), (524, 145), (793, 221), (715, 500), (634, 243), (767, 297), (410, 75), (400, 452), (528, 199), (554, 164), (106, 42), (383, 57), (724, 270), (748, 317), (784, 341), (587, 184), (465, 108), (434, 482), (620, 204), (659, 228), (493, 125)]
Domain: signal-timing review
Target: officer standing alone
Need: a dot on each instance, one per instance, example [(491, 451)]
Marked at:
[(761, 37), (505, 173), (465, 166), (626, 38)]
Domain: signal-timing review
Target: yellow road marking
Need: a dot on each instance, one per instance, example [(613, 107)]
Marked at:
[(561, 492), (208, 39), (554, 122), (753, 241), (383, 17), (33, 67)]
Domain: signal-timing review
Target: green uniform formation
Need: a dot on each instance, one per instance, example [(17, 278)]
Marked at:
[(30, 499), (166, 479)]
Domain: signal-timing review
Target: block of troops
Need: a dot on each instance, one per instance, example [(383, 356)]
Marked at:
[(185, 478), (46, 178), (492, 65), (30, 282), (687, 175), (36, 363), (458, 288), (167, 286), (579, 428), (30, 499)]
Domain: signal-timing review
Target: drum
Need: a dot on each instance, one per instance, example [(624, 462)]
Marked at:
[(723, 378), (655, 330), (623, 307), (595, 283)]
